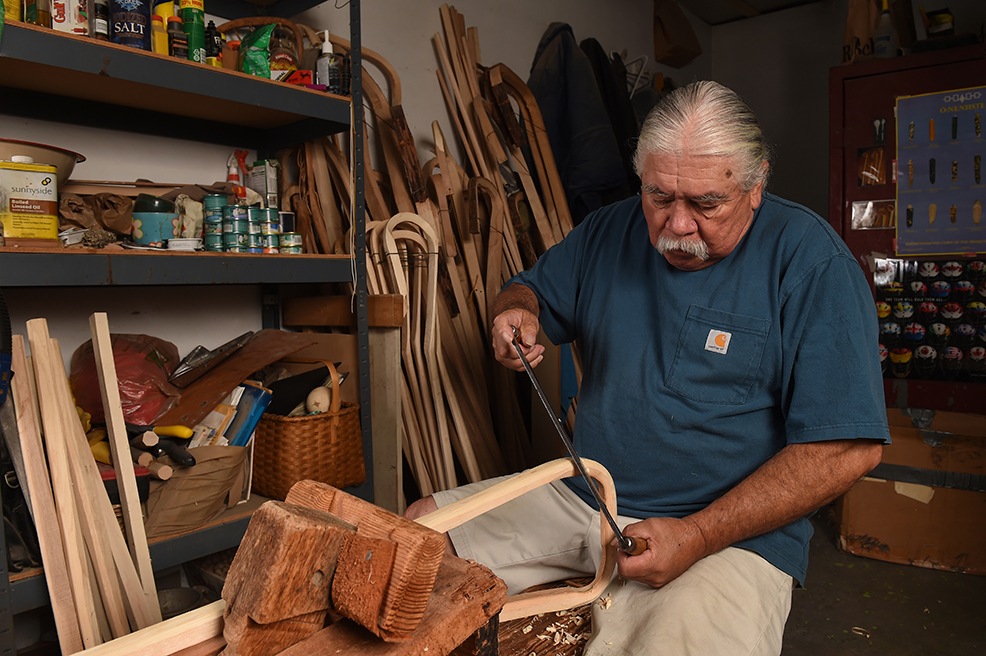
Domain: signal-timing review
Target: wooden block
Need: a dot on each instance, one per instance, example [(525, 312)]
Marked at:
[(245, 637), (294, 565), (417, 557), (465, 596), (285, 563), (362, 577)]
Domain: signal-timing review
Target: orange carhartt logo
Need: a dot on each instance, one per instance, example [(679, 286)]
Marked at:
[(717, 341)]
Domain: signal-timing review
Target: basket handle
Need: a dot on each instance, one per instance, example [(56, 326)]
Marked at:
[(336, 392), (335, 402)]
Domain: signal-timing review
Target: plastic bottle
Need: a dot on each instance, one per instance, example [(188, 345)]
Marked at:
[(213, 45), (177, 41), (159, 35), (164, 8), (885, 41), (193, 22), (327, 66)]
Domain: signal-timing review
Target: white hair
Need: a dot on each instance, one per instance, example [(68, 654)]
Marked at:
[(706, 118)]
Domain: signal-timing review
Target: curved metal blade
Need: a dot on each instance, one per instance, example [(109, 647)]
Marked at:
[(625, 543)]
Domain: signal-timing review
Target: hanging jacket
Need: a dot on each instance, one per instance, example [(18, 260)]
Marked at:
[(579, 129), (611, 77)]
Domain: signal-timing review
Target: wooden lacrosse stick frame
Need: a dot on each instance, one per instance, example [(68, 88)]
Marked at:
[(553, 599)]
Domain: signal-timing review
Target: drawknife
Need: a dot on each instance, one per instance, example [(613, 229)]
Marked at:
[(626, 543)]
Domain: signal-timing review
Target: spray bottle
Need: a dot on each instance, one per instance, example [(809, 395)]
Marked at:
[(327, 70)]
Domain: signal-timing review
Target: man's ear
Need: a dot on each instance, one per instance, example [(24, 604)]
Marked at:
[(756, 194)]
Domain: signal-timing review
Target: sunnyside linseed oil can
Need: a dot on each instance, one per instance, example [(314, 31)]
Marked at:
[(28, 201)]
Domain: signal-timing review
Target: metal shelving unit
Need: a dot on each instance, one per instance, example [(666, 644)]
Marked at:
[(157, 95)]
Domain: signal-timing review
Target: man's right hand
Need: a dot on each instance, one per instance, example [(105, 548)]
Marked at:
[(503, 336)]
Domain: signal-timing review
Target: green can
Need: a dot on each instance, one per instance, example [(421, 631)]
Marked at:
[(291, 250), (213, 242), (291, 239)]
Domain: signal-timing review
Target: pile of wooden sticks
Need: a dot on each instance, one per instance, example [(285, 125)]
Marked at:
[(447, 236), (99, 581)]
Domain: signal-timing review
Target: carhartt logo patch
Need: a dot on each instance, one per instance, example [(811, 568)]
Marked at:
[(717, 341)]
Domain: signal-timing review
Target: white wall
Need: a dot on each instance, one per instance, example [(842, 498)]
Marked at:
[(779, 64), (509, 33)]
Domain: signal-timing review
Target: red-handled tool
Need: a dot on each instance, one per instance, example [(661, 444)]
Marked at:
[(626, 543)]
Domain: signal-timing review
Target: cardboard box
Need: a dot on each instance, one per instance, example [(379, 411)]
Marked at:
[(675, 43), (925, 504), (70, 16)]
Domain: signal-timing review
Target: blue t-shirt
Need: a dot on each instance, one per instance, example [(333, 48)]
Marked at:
[(693, 379)]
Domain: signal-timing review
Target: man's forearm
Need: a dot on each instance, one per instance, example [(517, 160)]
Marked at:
[(797, 481), (515, 297)]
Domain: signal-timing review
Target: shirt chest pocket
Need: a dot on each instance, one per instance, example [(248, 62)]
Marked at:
[(717, 356)]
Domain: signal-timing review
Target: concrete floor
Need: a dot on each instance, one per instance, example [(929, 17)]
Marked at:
[(852, 605)]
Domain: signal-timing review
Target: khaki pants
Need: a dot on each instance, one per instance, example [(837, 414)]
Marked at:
[(733, 603)]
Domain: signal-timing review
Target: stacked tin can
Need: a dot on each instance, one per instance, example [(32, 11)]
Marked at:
[(240, 229), (263, 230), (236, 228), (212, 222)]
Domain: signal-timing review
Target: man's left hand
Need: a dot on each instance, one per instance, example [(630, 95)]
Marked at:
[(673, 545)]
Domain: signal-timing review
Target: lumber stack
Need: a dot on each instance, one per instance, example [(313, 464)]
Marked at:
[(446, 235), (100, 586)]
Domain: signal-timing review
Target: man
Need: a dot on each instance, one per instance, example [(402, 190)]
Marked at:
[(731, 387)]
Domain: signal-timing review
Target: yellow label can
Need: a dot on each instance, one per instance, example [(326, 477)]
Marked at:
[(28, 201)]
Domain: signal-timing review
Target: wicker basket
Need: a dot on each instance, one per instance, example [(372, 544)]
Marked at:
[(327, 447)]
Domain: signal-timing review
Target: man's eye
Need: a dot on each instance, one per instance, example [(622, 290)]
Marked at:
[(661, 201)]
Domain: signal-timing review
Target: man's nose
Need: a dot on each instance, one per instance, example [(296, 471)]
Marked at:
[(681, 221)]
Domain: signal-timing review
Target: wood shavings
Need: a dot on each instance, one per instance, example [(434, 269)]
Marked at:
[(604, 602)]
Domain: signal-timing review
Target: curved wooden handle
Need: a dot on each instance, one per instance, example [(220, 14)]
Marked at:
[(260, 21), (554, 599)]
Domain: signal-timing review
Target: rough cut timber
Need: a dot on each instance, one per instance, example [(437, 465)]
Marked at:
[(278, 588), (466, 596), (417, 557)]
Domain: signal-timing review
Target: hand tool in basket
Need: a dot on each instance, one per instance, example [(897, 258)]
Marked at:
[(626, 543)]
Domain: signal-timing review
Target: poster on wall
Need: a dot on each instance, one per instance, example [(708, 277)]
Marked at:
[(941, 185), (932, 317)]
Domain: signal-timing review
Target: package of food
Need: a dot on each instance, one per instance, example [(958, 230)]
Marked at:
[(255, 52)]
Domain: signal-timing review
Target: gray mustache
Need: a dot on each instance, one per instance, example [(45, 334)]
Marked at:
[(696, 248)]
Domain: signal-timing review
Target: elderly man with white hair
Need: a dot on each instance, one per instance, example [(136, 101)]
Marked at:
[(731, 385)]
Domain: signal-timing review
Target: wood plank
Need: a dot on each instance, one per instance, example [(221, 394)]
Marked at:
[(62, 488), (120, 450), (199, 398), (186, 631), (43, 503), (385, 413), (119, 583), (383, 311)]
